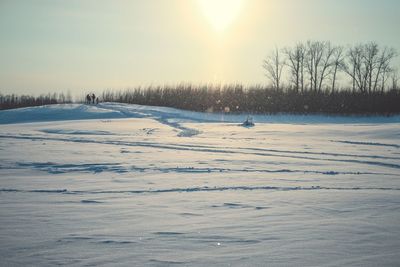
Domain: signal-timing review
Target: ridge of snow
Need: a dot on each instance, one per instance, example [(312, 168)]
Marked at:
[(61, 112)]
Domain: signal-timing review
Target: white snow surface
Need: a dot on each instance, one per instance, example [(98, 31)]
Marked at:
[(129, 185)]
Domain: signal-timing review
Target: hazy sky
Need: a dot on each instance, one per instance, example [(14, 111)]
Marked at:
[(56, 45)]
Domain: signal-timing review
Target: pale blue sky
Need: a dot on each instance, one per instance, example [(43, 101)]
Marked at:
[(56, 45)]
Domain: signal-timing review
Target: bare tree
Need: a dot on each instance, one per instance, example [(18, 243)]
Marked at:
[(337, 63), (384, 67), (296, 56), (386, 71), (369, 67), (313, 56), (326, 63), (370, 60), (274, 65), (318, 63), (395, 79), (354, 68)]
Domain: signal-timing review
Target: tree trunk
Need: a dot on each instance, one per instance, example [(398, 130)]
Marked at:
[(334, 78)]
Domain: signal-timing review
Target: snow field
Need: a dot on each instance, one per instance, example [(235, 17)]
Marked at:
[(146, 186)]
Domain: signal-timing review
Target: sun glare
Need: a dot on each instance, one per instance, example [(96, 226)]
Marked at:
[(220, 13)]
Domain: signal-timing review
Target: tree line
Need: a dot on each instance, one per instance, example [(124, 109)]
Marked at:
[(315, 66), (236, 98), (303, 79), (18, 101)]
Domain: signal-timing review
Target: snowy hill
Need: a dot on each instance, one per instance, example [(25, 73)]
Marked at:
[(118, 110)]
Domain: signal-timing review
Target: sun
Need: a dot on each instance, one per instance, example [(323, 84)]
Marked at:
[(220, 13)]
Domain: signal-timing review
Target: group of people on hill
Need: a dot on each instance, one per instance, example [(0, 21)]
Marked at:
[(92, 99)]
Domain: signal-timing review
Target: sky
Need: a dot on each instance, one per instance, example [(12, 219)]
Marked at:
[(81, 45)]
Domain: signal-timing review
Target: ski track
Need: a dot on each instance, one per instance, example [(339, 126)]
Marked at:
[(158, 116), (223, 151), (365, 143), (55, 168), (198, 189)]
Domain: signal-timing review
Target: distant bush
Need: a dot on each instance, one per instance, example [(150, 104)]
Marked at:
[(258, 99), (236, 99), (19, 101)]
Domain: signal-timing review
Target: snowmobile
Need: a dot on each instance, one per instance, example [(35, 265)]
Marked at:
[(248, 122)]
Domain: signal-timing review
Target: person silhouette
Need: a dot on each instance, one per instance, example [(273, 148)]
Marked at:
[(93, 97), (88, 99)]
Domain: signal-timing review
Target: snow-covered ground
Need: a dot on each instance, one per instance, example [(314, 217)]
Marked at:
[(132, 185)]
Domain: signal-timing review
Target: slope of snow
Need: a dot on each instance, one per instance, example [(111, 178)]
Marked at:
[(129, 185), (57, 113), (118, 110)]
